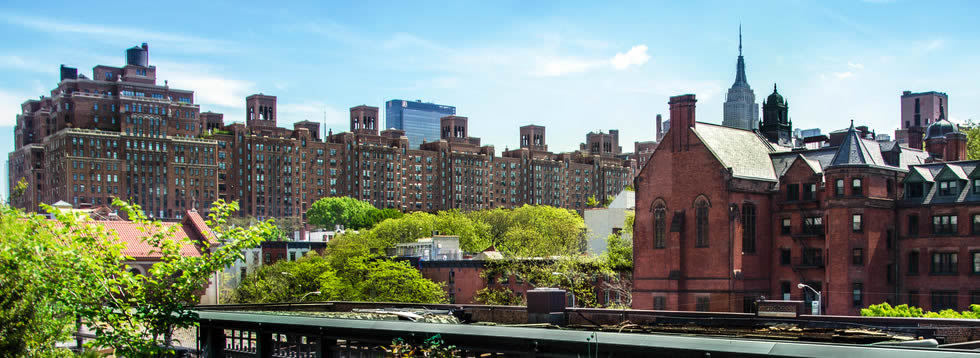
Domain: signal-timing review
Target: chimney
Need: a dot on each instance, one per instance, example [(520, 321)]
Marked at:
[(682, 120), (915, 137), (660, 126), (955, 146)]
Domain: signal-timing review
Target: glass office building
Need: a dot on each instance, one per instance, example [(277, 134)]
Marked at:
[(418, 119)]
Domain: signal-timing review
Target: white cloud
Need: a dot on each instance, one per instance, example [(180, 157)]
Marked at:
[(10, 106), (843, 75), (132, 34), (934, 44), (210, 88), (19, 63), (859, 66), (635, 56)]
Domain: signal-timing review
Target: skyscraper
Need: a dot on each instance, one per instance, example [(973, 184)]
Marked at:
[(741, 111), (418, 119)]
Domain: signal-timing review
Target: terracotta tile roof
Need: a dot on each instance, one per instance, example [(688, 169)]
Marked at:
[(130, 234)]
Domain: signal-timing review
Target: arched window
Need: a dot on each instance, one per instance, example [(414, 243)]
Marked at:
[(659, 224), (748, 228), (701, 206)]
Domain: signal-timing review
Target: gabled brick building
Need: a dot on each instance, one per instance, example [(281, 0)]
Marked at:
[(761, 218)]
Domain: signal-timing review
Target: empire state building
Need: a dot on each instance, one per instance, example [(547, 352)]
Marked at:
[(741, 110)]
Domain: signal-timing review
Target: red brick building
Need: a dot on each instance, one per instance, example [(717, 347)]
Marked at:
[(761, 218)]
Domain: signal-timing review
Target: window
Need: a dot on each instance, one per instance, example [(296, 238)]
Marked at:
[(452, 277), (784, 290), (975, 261), (943, 263), (787, 226), (839, 188), (857, 295), (856, 222), (659, 227), (857, 256), (813, 225), (913, 190), (976, 224), (948, 188), (913, 263), (792, 192), (748, 228), (913, 225), (944, 224), (268, 258), (943, 300), (785, 255), (914, 298), (976, 186), (809, 191), (856, 188), (701, 216), (812, 257), (659, 302), (703, 304)]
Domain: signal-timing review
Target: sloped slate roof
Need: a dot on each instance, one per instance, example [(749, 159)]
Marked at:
[(743, 151), (855, 150)]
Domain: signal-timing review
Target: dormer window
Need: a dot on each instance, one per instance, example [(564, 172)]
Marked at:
[(913, 190), (948, 188), (976, 186)]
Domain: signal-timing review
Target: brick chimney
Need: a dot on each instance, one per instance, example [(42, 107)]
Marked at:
[(955, 146), (915, 137), (660, 126), (681, 121)]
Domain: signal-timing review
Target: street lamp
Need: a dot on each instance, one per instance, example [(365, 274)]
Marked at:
[(572, 282), (309, 293), (819, 301)]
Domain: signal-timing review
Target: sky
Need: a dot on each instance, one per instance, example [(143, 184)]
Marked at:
[(572, 66)]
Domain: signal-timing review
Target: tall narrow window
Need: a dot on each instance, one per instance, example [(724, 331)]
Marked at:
[(913, 225), (659, 227), (792, 192), (701, 216), (748, 228), (839, 188), (856, 187), (857, 222), (858, 294), (787, 226)]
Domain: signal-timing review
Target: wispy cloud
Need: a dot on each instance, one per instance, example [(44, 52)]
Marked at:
[(558, 66), (210, 87), (14, 62), (10, 102), (183, 42), (933, 45), (859, 66)]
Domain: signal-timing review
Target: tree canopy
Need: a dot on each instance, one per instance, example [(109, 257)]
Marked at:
[(54, 270)]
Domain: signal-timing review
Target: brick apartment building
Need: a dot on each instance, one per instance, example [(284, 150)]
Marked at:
[(121, 134), (862, 221)]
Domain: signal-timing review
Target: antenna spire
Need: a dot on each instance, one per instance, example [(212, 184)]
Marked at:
[(740, 39)]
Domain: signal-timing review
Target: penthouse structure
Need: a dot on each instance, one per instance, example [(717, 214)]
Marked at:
[(120, 134)]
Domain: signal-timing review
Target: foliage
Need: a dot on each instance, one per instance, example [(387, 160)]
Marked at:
[(500, 296), (534, 230), (33, 318), (629, 188), (19, 189), (575, 273), (377, 216), (71, 267), (355, 276), (351, 213), (886, 310), (473, 235), (592, 202), (972, 130), (619, 253), (432, 347)]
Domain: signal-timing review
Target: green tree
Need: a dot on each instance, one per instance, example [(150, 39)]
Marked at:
[(887, 310), (500, 296), (71, 267), (473, 235), (378, 215), (592, 202), (972, 131), (351, 213)]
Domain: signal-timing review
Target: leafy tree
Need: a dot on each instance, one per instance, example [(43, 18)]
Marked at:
[(376, 279), (592, 202), (886, 310), (378, 215), (972, 131), (501, 296), (72, 267), (351, 213), (473, 235), (19, 189), (290, 281), (619, 253)]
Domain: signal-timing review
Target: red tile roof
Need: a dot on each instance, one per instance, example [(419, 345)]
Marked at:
[(130, 234)]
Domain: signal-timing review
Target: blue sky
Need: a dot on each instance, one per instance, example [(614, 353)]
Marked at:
[(572, 66)]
